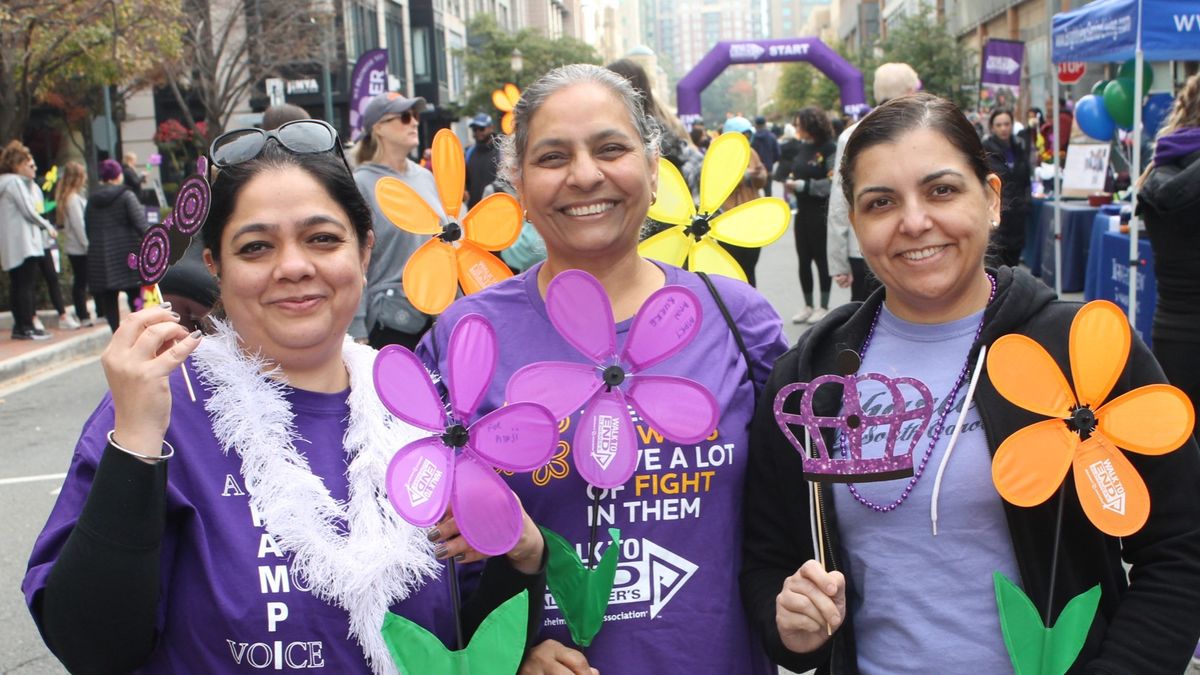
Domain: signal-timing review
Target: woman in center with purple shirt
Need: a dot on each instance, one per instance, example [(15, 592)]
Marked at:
[(584, 160)]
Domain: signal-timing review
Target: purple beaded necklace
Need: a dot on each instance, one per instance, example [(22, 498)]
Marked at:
[(937, 430)]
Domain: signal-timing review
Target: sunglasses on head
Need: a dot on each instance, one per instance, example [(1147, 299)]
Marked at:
[(299, 137)]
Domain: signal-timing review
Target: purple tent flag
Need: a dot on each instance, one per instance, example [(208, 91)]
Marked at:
[(1000, 75), (368, 81)]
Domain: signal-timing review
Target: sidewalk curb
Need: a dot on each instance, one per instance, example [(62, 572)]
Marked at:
[(76, 347)]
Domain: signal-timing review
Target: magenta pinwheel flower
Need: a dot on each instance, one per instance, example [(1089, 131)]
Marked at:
[(605, 442), (455, 466)]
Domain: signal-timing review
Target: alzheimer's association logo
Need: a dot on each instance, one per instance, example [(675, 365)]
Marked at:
[(422, 482), (1107, 485), (606, 434)]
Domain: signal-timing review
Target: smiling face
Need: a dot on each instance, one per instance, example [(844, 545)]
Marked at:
[(586, 179), (291, 269), (922, 220)]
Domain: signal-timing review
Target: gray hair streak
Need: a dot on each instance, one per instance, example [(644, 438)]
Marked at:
[(512, 147)]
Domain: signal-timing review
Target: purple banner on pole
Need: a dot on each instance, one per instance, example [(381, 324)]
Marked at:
[(1000, 74), (368, 81)]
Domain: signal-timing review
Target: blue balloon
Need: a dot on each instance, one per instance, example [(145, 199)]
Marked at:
[(1093, 118), (1158, 106)]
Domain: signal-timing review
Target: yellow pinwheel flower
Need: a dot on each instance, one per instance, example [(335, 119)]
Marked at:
[(754, 224), (505, 100)]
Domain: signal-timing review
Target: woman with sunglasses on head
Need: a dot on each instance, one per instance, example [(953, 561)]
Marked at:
[(899, 589), (584, 161), (390, 127), (248, 527)]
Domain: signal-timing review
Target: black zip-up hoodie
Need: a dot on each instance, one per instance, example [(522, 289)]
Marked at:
[(1170, 203), (1147, 625)]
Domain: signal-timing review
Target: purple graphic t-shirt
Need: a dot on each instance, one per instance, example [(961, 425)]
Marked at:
[(231, 602), (675, 606)]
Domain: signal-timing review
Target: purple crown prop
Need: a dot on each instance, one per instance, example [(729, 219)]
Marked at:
[(852, 467), (157, 252)]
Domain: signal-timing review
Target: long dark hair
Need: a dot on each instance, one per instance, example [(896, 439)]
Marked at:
[(327, 168), (898, 116), (816, 124)]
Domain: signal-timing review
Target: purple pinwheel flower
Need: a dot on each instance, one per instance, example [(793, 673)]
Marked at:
[(606, 445), (455, 465)]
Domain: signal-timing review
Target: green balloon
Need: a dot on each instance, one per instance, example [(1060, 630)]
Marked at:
[(1098, 88), (1118, 101), (1127, 71)]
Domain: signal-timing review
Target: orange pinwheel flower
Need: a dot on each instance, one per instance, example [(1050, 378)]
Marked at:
[(455, 255), (1151, 420), (505, 100)]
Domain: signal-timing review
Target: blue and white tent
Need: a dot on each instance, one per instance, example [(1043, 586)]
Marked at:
[(1119, 30)]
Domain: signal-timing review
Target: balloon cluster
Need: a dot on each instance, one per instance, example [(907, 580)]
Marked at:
[(1110, 105)]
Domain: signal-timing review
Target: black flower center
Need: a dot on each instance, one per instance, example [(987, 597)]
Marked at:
[(699, 227), (613, 376), (456, 436), (452, 231), (1082, 421)]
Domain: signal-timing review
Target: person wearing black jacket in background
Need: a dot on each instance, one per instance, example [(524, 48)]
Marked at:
[(809, 179), (115, 221), (1169, 200), (1009, 159)]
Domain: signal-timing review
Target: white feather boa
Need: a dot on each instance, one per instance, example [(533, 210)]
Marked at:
[(381, 559)]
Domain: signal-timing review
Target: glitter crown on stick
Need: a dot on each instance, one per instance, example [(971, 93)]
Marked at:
[(850, 426)]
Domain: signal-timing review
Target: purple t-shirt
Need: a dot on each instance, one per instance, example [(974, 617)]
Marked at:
[(675, 607), (230, 602)]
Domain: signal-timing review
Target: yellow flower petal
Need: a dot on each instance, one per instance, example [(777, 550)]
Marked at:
[(754, 224), (724, 166), (674, 201), (708, 256), (670, 246)]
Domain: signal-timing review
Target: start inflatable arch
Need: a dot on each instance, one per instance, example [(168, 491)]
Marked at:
[(736, 52)]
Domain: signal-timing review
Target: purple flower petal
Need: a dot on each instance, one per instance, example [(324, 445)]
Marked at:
[(678, 408), (605, 441), (486, 511), (579, 308), (562, 387), (665, 324), (419, 479), (518, 437), (470, 363), (406, 390)]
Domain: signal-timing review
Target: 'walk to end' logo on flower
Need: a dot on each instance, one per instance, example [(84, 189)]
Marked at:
[(606, 433), (423, 481), (482, 274), (648, 574), (1107, 484)]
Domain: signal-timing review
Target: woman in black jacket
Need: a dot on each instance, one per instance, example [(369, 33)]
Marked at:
[(1169, 200), (902, 590), (809, 180), (115, 221), (1008, 157)]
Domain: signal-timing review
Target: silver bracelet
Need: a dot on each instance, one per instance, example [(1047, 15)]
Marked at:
[(170, 451)]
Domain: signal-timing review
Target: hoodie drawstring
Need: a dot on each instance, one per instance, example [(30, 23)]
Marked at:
[(937, 482)]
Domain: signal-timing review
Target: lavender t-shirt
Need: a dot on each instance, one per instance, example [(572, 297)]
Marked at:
[(230, 601), (922, 603), (675, 607)]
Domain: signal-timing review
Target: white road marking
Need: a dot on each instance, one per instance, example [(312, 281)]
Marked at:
[(32, 479)]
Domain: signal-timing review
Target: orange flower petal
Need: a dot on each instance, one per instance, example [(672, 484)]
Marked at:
[(1111, 492), (508, 123), (449, 171), (512, 93), (494, 223), (1099, 348), (405, 208), (501, 101), (1027, 376), (1031, 464), (723, 168), (709, 257), (1151, 420), (478, 269), (430, 278)]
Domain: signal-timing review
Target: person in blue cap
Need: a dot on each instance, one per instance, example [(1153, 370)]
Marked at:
[(481, 158)]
